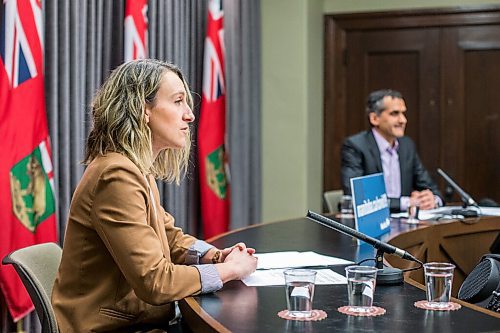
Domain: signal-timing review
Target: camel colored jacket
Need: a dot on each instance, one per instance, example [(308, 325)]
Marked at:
[(122, 256)]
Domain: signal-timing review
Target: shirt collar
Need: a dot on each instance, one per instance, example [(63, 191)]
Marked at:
[(383, 144)]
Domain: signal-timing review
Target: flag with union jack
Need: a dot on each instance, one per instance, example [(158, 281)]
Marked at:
[(27, 201), (136, 29), (212, 158)]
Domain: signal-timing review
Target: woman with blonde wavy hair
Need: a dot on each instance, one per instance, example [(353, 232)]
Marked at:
[(124, 262)]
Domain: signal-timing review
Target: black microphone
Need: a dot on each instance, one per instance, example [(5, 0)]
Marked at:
[(466, 198), (379, 245), (388, 275)]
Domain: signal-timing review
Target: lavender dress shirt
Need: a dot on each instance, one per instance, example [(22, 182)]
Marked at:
[(392, 170), (210, 279)]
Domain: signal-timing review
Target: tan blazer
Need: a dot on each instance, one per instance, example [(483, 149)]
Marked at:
[(122, 256)]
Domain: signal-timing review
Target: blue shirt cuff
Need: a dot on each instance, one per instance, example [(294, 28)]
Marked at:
[(196, 251), (210, 279)]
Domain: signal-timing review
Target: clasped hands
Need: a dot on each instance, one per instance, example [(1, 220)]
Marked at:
[(425, 199), (236, 262), (239, 246)]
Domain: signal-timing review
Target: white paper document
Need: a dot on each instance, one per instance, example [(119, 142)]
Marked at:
[(275, 277), (423, 215), (294, 259), (445, 211)]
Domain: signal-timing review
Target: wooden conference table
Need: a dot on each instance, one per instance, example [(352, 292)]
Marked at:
[(238, 308)]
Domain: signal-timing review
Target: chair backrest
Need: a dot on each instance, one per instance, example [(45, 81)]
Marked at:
[(332, 200), (37, 267)]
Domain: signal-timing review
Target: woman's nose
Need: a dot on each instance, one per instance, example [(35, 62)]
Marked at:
[(189, 115)]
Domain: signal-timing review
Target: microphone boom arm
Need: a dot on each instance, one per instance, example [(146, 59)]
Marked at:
[(381, 247), (466, 198)]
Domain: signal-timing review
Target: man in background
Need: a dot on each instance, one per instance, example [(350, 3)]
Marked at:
[(384, 148)]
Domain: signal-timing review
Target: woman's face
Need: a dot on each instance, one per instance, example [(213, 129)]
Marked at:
[(170, 116)]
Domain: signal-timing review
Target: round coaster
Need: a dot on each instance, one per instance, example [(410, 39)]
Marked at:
[(315, 315), (452, 306), (374, 311)]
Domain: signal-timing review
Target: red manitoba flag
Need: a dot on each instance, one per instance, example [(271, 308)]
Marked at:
[(27, 205), (136, 29), (214, 187)]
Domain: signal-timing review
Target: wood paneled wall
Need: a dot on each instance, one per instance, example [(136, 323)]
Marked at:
[(446, 62)]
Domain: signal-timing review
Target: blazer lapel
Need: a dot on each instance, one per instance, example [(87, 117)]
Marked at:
[(374, 151)]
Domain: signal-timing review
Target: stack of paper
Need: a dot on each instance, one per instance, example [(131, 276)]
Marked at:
[(294, 259), (270, 268)]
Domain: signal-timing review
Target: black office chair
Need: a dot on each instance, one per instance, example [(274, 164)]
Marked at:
[(37, 267)]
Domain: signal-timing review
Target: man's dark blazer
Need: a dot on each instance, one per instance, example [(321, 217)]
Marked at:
[(361, 156)]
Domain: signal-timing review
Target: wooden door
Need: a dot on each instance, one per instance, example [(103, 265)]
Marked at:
[(471, 108), (403, 60), (447, 65)]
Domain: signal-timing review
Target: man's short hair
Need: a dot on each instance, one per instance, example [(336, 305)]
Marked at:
[(375, 103)]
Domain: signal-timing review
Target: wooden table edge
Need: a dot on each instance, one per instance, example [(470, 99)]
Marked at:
[(198, 319), (456, 300)]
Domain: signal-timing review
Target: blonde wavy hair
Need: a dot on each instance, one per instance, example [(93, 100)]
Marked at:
[(119, 124)]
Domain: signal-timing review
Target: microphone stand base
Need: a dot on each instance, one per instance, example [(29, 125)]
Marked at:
[(465, 212), (389, 276)]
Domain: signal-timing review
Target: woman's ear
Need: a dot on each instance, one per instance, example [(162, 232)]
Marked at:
[(147, 113)]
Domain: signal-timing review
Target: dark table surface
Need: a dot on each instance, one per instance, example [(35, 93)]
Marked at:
[(254, 309)]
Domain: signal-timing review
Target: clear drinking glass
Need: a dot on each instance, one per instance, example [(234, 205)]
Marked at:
[(361, 281), (346, 209), (299, 291), (438, 282), (413, 210)]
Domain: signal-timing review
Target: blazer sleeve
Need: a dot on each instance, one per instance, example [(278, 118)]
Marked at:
[(352, 164), (178, 242), (120, 215)]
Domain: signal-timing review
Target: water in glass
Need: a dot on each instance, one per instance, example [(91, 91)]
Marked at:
[(438, 288), (360, 293), (299, 298)]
